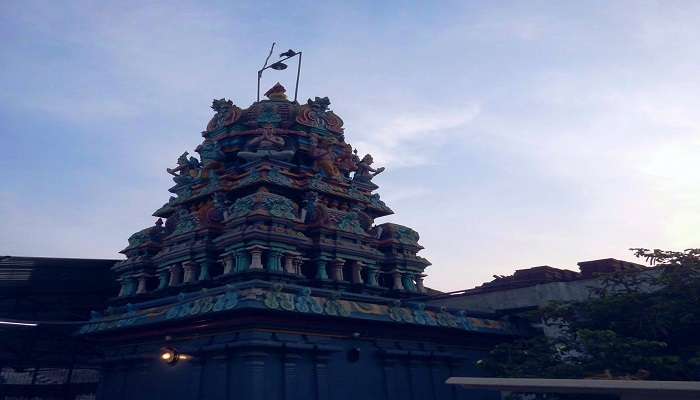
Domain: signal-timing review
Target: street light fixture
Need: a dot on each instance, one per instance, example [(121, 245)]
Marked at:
[(279, 65)]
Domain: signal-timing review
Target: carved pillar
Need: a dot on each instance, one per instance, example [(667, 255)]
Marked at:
[(372, 276), (274, 261), (256, 258), (321, 273), (204, 271), (142, 285), (254, 364), (175, 277), (289, 264), (190, 272), (390, 379), (242, 261), (338, 269), (408, 284), (228, 262), (297, 261), (124, 288), (291, 375), (398, 285), (437, 385), (357, 272), (321, 370), (419, 283), (162, 280), (131, 286)]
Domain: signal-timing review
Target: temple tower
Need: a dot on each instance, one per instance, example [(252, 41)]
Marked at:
[(266, 275)]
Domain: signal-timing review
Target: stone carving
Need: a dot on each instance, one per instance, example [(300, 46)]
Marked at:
[(210, 214), (280, 207), (274, 175), (365, 172), (241, 207), (269, 203), (186, 171), (185, 222), (210, 154), (266, 144), (305, 303), (347, 160), (315, 114), (226, 114), (350, 222), (324, 157), (152, 234), (314, 211), (398, 232)]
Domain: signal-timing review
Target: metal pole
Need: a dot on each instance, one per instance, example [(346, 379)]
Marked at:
[(296, 87)]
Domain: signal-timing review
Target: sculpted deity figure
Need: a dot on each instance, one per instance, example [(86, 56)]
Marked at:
[(313, 210), (324, 158), (365, 172), (188, 169), (209, 152), (267, 140), (226, 114), (266, 144), (348, 160)]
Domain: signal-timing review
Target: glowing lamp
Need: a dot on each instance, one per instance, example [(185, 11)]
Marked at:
[(169, 355)]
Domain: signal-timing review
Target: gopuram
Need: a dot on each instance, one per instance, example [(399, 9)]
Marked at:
[(265, 276)]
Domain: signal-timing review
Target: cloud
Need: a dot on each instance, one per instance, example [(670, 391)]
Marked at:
[(411, 139)]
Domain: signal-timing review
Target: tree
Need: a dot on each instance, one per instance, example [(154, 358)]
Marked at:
[(639, 325)]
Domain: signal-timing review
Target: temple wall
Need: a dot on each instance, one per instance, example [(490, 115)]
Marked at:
[(292, 367)]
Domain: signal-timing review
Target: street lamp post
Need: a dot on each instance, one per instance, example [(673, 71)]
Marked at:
[(279, 65)]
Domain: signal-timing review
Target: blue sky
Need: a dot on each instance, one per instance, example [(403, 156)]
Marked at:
[(514, 134)]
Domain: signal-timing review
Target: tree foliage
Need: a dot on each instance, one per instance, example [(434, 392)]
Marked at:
[(636, 325)]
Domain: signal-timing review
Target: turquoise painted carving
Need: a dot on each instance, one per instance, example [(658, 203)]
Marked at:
[(241, 207), (186, 222), (350, 222), (252, 177), (408, 283), (276, 299), (274, 175), (335, 307), (242, 261), (274, 261), (204, 272), (280, 207), (269, 115), (306, 303), (230, 300), (420, 315), (321, 273), (162, 280), (444, 318), (372, 276)]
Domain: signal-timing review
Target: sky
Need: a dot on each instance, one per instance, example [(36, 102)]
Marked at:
[(514, 134)]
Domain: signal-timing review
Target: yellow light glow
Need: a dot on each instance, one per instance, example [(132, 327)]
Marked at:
[(166, 356)]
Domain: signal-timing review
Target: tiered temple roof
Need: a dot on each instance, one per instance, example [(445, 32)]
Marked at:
[(278, 212), (276, 194)]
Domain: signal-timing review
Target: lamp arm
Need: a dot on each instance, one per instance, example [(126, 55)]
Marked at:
[(296, 87)]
